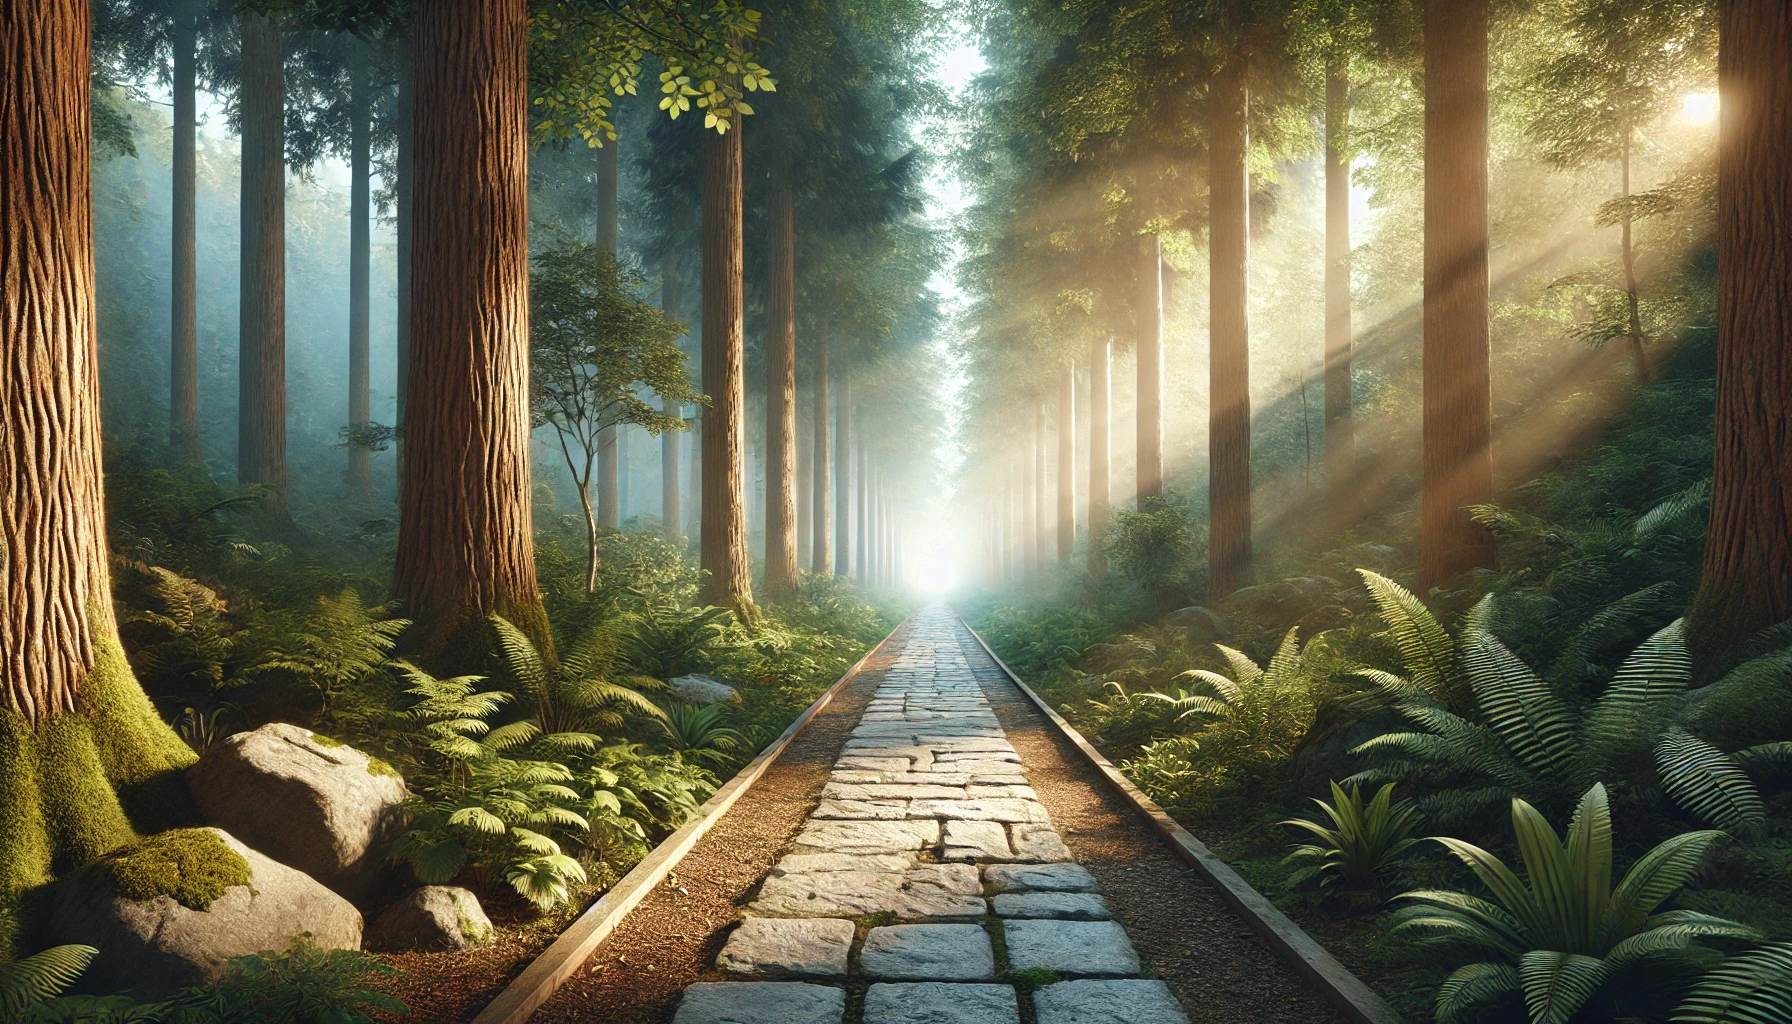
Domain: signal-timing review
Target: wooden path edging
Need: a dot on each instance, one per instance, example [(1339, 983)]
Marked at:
[(556, 964), (1344, 990)]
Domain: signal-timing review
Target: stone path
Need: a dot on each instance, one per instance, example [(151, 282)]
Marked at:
[(928, 885)]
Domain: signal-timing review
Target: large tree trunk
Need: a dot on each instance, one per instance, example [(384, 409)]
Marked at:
[(74, 725), (1100, 450), (466, 536), (261, 388), (1340, 439), (404, 175), (822, 560), (843, 448), (609, 453), (724, 513), (1148, 478), (360, 407), (183, 334), (1747, 582), (1066, 465), (1229, 354), (780, 399), (671, 514), (1458, 416)]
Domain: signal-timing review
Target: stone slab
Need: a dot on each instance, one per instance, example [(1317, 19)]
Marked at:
[(803, 863), (773, 947), (869, 836), (1039, 842), (1093, 1001), (928, 952), (852, 791), (1074, 906), (884, 810), (761, 1002), (933, 1002), (1040, 877), (874, 764), (923, 891), (1003, 810), (976, 840), (1070, 947)]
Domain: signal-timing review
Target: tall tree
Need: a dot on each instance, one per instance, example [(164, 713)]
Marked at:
[(360, 163), (74, 725), (1148, 479), (724, 534), (183, 334), (1340, 437), (1458, 398), (1029, 499), (822, 559), (780, 394), (1747, 582), (465, 541), (1100, 396), (1229, 366), (844, 440), (1042, 502), (609, 473), (404, 176), (261, 391), (1066, 464), (862, 508), (671, 510)]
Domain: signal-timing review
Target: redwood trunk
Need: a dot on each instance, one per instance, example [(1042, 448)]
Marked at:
[(465, 542), (609, 455), (1229, 357), (1458, 414), (1066, 465), (1747, 582), (780, 400), (1100, 446), (1340, 439), (261, 381), (843, 447), (183, 351), (822, 560), (404, 174), (724, 533), (1148, 478), (360, 409)]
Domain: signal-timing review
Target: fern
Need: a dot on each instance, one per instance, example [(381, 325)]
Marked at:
[(41, 976), (1707, 782), (1755, 988)]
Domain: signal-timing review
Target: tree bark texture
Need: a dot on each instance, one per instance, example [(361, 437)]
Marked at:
[(1458, 400), (1229, 366), (609, 454), (183, 333), (1747, 582), (780, 398), (1042, 500), (1031, 463), (724, 534), (360, 407), (861, 504), (843, 449), (671, 514), (261, 388), (1066, 464), (404, 173), (805, 484), (1100, 451), (694, 482), (822, 447), (1340, 438), (465, 541), (1148, 479)]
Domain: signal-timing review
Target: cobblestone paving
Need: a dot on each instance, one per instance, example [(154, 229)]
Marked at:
[(928, 885)]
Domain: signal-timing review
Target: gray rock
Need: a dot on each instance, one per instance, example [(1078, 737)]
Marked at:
[(1039, 842), (976, 840), (156, 946), (929, 952), (1001, 809), (1076, 906), (854, 791), (774, 947), (433, 918), (1202, 624), (862, 810), (804, 863), (1108, 1002), (933, 1002), (925, 890), (760, 1002), (697, 689), (1040, 877), (869, 836), (306, 801), (1070, 947)]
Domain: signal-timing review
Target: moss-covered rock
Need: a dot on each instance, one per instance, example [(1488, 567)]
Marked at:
[(193, 865)]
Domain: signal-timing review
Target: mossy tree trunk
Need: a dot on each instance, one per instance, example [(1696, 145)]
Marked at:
[(74, 725)]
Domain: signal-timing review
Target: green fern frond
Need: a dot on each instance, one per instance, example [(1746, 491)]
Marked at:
[(41, 976), (1425, 648), (1707, 782), (1754, 988)]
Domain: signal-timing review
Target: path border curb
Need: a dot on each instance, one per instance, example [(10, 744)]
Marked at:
[(1344, 990), (555, 965)]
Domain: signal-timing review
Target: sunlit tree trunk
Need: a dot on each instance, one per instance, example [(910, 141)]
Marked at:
[(1148, 477), (73, 722), (183, 355), (1747, 582), (1042, 500), (1019, 502), (404, 176), (1029, 500), (1340, 438), (1100, 445), (261, 387), (822, 560), (1458, 400), (609, 470), (724, 535), (465, 538), (843, 457), (1229, 366), (360, 406), (780, 397), (1066, 464)]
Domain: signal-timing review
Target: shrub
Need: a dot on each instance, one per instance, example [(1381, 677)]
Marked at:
[(1154, 547), (1352, 854)]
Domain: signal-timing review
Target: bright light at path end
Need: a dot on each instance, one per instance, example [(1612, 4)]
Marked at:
[(938, 573), (1699, 108)]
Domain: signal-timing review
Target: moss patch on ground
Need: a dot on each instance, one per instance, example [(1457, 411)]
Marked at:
[(192, 865)]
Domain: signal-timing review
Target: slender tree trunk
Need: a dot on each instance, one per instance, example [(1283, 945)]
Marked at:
[(584, 489), (1029, 499), (1066, 465), (694, 483), (822, 560), (1011, 527), (360, 406), (1148, 480), (465, 538), (724, 427), (1042, 502), (261, 398), (1628, 253), (671, 514), (1019, 504), (862, 505), (1747, 583), (404, 174), (73, 722), (183, 355), (780, 397), (843, 449), (805, 483), (1458, 414), (624, 507), (1100, 451), (1340, 438), (1229, 367), (609, 469)]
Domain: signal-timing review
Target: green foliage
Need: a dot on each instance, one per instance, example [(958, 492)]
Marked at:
[(192, 865), (333, 651), (1570, 934), (670, 640), (1755, 988), (40, 976), (702, 733), (575, 695), (1352, 854), (1154, 546)]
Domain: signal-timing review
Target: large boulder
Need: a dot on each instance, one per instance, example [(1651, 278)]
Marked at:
[(697, 689), (172, 911), (433, 918), (305, 800), (1202, 625)]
